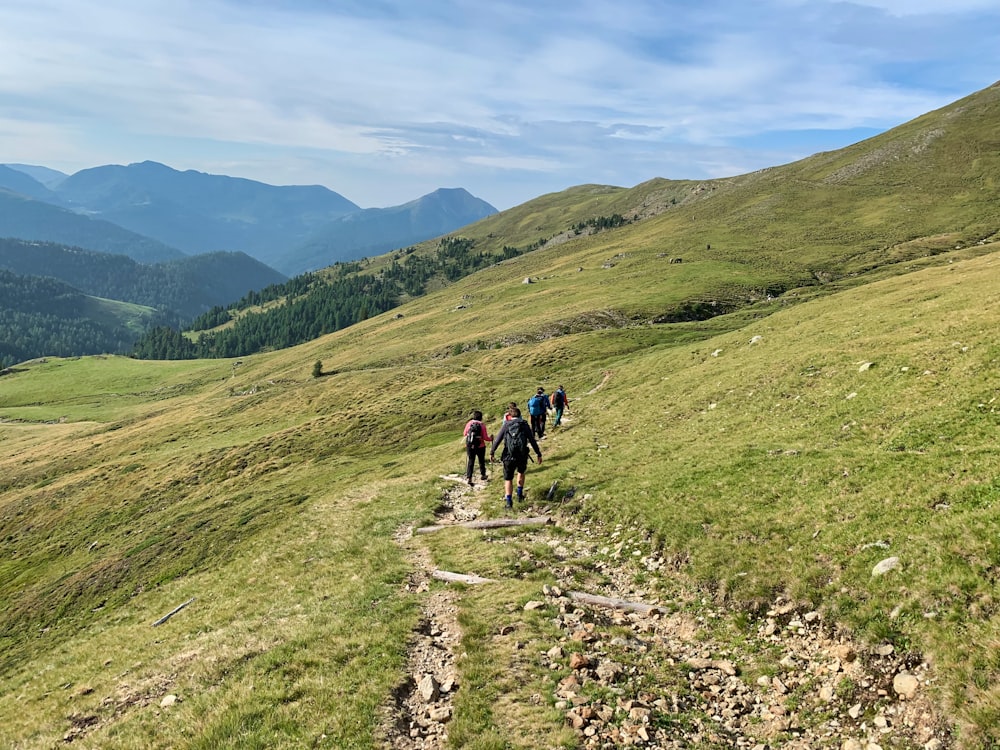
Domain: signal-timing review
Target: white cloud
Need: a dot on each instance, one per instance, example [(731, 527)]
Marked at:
[(391, 96)]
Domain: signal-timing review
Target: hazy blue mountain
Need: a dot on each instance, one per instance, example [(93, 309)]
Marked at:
[(199, 212), (378, 230), (17, 181), (31, 219), (152, 212), (48, 177), (186, 287)]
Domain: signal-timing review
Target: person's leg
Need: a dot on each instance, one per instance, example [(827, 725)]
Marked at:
[(508, 482), (470, 463), (522, 468), (541, 426), (481, 452)]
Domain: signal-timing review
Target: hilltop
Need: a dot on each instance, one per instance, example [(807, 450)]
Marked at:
[(805, 393)]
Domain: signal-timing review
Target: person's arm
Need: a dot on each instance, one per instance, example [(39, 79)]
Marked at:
[(497, 438), (534, 444)]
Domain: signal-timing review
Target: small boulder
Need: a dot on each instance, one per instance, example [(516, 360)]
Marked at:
[(429, 689), (889, 563), (905, 685)]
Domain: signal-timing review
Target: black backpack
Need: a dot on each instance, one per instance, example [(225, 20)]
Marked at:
[(558, 399), (474, 434), (515, 441)]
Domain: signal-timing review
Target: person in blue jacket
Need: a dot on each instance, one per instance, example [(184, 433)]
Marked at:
[(538, 409)]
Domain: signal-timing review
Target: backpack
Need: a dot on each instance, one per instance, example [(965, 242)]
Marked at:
[(515, 441), (535, 405), (558, 399), (474, 434)]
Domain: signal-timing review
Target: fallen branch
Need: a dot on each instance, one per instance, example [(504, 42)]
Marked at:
[(603, 601), (494, 523), (173, 612), (444, 575)]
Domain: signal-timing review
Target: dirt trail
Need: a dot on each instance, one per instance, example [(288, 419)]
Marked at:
[(689, 674), (421, 707)]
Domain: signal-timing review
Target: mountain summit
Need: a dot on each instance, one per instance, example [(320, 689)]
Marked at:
[(377, 230)]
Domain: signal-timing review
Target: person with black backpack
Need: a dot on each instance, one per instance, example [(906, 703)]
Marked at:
[(516, 436), (560, 402), (476, 437)]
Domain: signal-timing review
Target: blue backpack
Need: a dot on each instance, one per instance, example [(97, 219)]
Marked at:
[(536, 405)]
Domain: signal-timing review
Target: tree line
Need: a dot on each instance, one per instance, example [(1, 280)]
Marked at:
[(312, 305), (599, 223), (45, 317), (187, 286)]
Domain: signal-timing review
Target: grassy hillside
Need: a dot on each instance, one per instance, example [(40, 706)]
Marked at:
[(842, 413)]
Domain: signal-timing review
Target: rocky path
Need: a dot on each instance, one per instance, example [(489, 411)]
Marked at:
[(418, 717), (685, 675)]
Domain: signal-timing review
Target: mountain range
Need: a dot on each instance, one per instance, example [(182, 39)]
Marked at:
[(179, 244), (152, 213)]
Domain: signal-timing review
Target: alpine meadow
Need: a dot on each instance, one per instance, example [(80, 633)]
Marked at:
[(769, 518)]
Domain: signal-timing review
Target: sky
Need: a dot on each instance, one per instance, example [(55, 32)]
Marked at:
[(384, 101)]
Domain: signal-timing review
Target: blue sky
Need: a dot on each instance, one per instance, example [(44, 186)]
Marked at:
[(386, 100)]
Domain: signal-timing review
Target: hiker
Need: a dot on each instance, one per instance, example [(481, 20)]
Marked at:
[(516, 436), (506, 414), (538, 409), (476, 436), (560, 402)]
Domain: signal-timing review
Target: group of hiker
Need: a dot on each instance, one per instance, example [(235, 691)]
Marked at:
[(516, 436)]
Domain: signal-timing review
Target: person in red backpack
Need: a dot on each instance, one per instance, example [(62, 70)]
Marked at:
[(476, 437)]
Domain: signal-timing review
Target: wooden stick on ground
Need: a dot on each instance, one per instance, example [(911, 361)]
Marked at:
[(444, 575), (603, 601), (173, 612), (579, 596), (494, 523)]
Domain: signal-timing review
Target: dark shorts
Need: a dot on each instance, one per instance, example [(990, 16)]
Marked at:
[(513, 466)]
